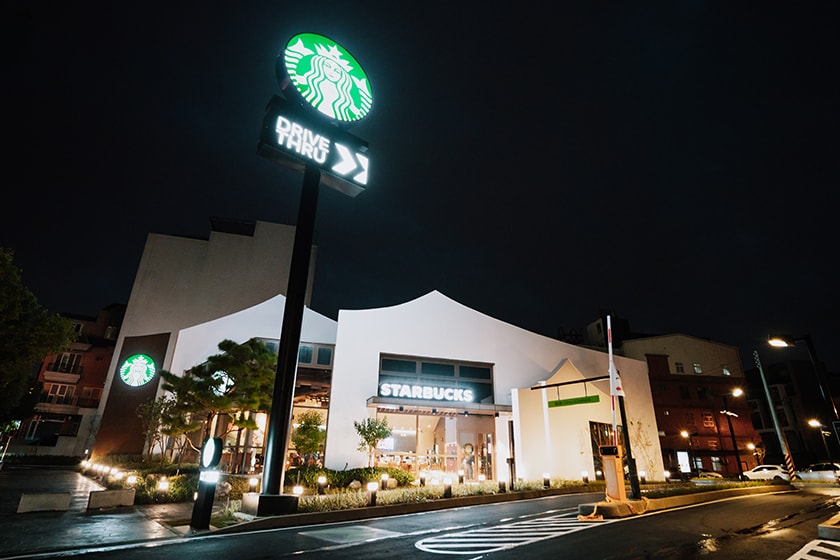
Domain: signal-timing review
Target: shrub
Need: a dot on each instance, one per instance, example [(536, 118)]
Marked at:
[(182, 488), (308, 476), (332, 502), (238, 485)]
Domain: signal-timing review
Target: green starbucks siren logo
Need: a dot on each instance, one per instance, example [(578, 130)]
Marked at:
[(137, 370), (328, 77)]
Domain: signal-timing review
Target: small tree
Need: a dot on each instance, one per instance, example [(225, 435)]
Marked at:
[(370, 431), (308, 436), (231, 384), (151, 414), (28, 332)]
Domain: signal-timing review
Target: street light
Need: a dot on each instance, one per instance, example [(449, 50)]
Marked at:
[(685, 434), (814, 423), (791, 468), (786, 341), (737, 392), (754, 450)]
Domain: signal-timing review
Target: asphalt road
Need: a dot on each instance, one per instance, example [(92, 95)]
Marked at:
[(769, 527)]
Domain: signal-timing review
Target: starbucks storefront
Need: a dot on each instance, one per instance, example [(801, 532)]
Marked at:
[(442, 415)]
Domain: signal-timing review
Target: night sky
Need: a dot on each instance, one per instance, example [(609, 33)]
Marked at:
[(675, 163)]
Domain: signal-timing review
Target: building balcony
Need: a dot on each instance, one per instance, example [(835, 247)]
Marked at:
[(65, 368), (61, 377), (57, 405), (52, 408)]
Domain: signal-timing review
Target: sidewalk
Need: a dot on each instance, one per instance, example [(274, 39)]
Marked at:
[(78, 528), (27, 533)]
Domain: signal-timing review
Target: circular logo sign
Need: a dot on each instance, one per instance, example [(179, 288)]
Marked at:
[(137, 370), (223, 383), (327, 76), (211, 452)]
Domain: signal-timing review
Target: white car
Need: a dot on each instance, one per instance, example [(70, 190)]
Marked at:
[(820, 472), (767, 472)]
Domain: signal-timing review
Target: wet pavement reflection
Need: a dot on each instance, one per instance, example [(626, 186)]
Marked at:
[(78, 527)]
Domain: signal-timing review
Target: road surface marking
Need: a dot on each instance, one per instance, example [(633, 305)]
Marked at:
[(818, 550), (503, 537)]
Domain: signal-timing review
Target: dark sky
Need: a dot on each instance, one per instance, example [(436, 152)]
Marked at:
[(673, 162)]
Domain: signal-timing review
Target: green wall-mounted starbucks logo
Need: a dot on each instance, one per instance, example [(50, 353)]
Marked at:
[(137, 370), (328, 77)]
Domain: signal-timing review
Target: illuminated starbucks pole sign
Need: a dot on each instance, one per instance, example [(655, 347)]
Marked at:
[(325, 91), (328, 77)]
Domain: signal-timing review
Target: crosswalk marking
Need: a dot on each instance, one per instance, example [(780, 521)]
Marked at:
[(817, 550), (503, 537)]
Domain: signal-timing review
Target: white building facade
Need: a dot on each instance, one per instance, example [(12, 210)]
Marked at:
[(456, 382), (460, 389)]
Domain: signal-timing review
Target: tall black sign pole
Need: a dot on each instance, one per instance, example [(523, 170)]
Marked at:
[(292, 135), (280, 419)]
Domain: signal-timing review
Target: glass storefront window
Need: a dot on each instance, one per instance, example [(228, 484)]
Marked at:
[(436, 444)]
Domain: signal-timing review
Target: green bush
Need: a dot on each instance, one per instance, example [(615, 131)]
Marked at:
[(308, 476), (182, 488), (332, 502), (238, 485)]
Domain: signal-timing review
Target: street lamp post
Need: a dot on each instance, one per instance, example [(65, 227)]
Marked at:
[(791, 468), (751, 448), (814, 423), (693, 464), (737, 392)]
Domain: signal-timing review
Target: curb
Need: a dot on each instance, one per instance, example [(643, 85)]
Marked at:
[(603, 508), (830, 530), (356, 514), (611, 510)]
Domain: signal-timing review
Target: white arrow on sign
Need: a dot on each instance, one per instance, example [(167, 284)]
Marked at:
[(349, 163), (361, 178)]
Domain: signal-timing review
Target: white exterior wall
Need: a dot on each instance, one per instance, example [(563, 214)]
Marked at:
[(563, 432), (195, 344), (183, 282), (435, 326)]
